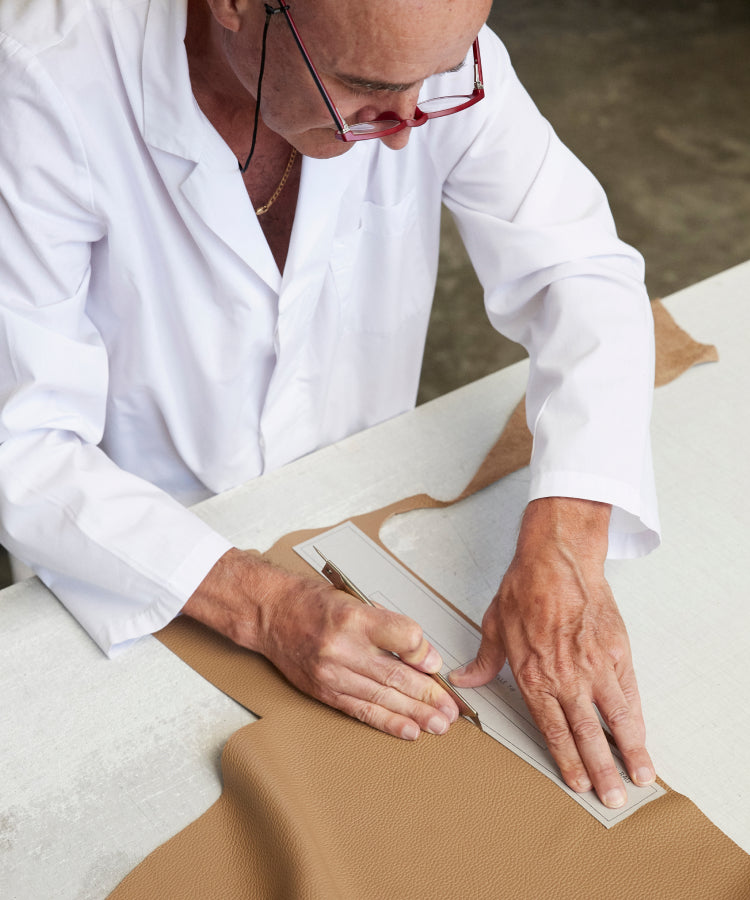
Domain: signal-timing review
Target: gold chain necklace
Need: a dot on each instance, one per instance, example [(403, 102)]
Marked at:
[(274, 197)]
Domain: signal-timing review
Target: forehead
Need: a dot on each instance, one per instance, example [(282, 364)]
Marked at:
[(389, 40)]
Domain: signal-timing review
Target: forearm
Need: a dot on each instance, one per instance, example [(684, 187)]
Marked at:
[(236, 596)]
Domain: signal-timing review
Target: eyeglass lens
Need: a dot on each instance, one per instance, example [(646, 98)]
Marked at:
[(428, 108)]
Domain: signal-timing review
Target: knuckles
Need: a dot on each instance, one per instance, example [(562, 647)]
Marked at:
[(397, 675), (343, 616), (556, 736), (363, 711), (585, 730), (321, 669), (536, 676), (411, 636), (617, 717)]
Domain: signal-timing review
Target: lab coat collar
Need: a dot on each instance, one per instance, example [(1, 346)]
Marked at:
[(218, 196), (171, 114), (220, 199)]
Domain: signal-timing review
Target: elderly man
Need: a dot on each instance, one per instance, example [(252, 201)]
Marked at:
[(214, 261)]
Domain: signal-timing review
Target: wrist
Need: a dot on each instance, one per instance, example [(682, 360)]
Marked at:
[(582, 526), (230, 598)]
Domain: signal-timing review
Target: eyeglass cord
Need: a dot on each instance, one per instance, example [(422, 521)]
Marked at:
[(270, 11)]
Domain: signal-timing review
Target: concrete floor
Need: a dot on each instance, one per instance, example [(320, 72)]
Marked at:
[(655, 99)]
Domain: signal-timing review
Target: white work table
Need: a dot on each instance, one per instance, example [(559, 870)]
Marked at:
[(102, 760)]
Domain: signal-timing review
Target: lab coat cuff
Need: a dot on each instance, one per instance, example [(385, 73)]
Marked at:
[(180, 586), (634, 528)]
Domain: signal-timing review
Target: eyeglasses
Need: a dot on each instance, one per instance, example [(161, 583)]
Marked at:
[(388, 122)]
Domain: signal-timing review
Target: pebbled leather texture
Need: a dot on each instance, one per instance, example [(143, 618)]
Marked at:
[(317, 806)]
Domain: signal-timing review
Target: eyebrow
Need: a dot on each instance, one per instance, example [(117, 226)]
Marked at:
[(374, 86)]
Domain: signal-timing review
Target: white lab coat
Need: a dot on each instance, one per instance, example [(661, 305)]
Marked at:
[(151, 354)]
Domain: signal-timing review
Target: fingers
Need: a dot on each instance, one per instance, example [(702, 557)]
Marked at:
[(484, 667), (575, 738), (621, 710), (359, 674), (391, 710), (407, 690), (400, 635), (577, 742)]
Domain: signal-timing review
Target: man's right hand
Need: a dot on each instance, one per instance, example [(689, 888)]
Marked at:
[(329, 645)]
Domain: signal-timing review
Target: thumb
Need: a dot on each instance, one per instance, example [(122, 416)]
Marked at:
[(489, 660)]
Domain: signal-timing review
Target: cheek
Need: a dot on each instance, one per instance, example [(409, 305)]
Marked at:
[(303, 122), (297, 109)]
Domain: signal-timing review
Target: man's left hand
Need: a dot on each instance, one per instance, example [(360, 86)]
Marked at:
[(555, 619)]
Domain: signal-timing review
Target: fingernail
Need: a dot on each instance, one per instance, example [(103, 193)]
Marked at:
[(583, 785), (432, 662), (450, 713), (410, 732), (615, 798), (437, 725), (644, 776)]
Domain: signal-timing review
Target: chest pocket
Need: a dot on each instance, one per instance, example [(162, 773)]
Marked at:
[(381, 270)]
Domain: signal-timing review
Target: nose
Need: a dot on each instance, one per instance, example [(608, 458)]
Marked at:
[(403, 104), (398, 140)]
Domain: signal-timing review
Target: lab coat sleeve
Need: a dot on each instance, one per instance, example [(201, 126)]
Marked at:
[(121, 555), (559, 281)]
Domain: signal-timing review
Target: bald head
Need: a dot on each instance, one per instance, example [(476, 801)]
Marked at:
[(405, 35)]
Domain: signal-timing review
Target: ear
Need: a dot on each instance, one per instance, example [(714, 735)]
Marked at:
[(230, 14)]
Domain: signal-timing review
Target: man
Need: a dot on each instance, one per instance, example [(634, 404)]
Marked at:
[(198, 287)]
